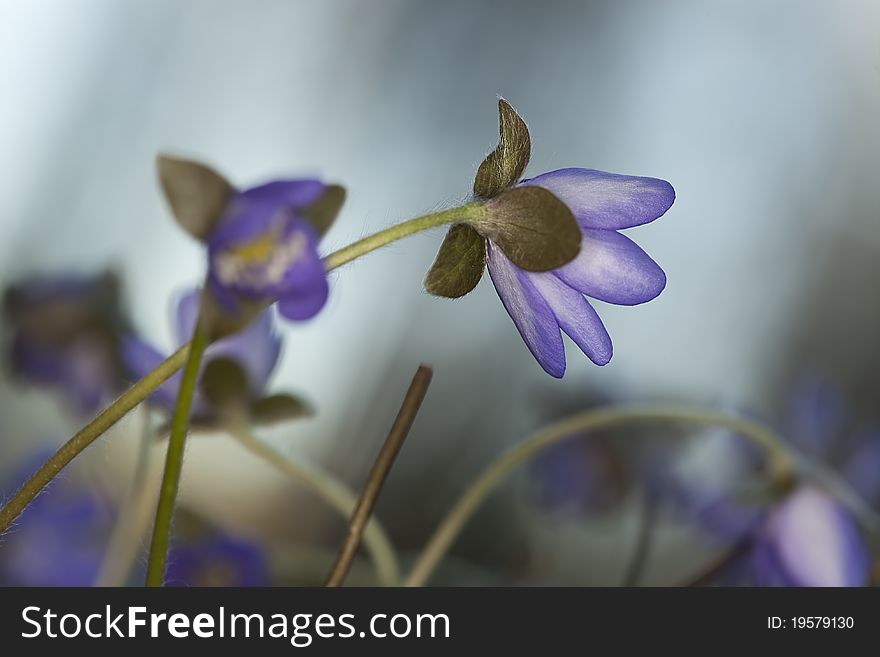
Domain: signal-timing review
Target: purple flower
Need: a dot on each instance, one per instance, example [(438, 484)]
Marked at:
[(809, 540), (805, 537), (262, 247), (579, 475), (588, 472), (253, 352), (60, 538), (66, 332), (217, 561), (550, 242), (818, 423), (262, 242), (610, 267)]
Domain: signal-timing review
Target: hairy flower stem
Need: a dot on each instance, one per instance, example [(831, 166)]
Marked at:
[(778, 460), (335, 494), (174, 459), (167, 368), (88, 434), (466, 213)]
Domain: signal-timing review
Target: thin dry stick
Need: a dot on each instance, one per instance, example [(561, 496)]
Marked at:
[(373, 486)]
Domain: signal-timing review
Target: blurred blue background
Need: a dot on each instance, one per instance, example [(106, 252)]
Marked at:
[(763, 115)]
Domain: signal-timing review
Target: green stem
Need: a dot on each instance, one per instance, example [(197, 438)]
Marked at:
[(335, 494), (174, 459), (469, 212), (569, 429), (88, 434), (140, 390)]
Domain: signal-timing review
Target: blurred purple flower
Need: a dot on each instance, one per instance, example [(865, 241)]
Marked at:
[(60, 538), (579, 475), (217, 560), (66, 332), (819, 425), (255, 350), (809, 539), (805, 538), (610, 267), (262, 247)]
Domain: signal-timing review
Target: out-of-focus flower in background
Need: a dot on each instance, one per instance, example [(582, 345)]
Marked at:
[(803, 537), (243, 361), (262, 242), (65, 331), (580, 475), (809, 539), (589, 473), (821, 425), (60, 538), (217, 560), (263, 247)]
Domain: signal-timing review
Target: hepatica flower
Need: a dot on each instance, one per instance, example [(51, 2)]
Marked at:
[(262, 242), (550, 242), (65, 336), (233, 375)]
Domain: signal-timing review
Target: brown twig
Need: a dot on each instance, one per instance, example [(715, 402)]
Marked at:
[(373, 486)]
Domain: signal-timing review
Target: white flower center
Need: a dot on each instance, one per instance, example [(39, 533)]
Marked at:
[(258, 263)]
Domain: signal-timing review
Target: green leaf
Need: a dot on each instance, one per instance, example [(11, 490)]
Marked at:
[(224, 383), (459, 264), (322, 213), (196, 193), (532, 227), (504, 166), (279, 408)]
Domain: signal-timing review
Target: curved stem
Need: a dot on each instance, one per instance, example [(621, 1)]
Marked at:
[(335, 494), (88, 434), (469, 212), (569, 429), (134, 514), (174, 459)]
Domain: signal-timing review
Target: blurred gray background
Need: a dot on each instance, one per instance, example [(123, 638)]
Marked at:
[(762, 114)]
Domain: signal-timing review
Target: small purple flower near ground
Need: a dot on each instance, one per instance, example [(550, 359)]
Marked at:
[(60, 538), (804, 537), (66, 331), (253, 351), (217, 560), (809, 539), (610, 267)]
